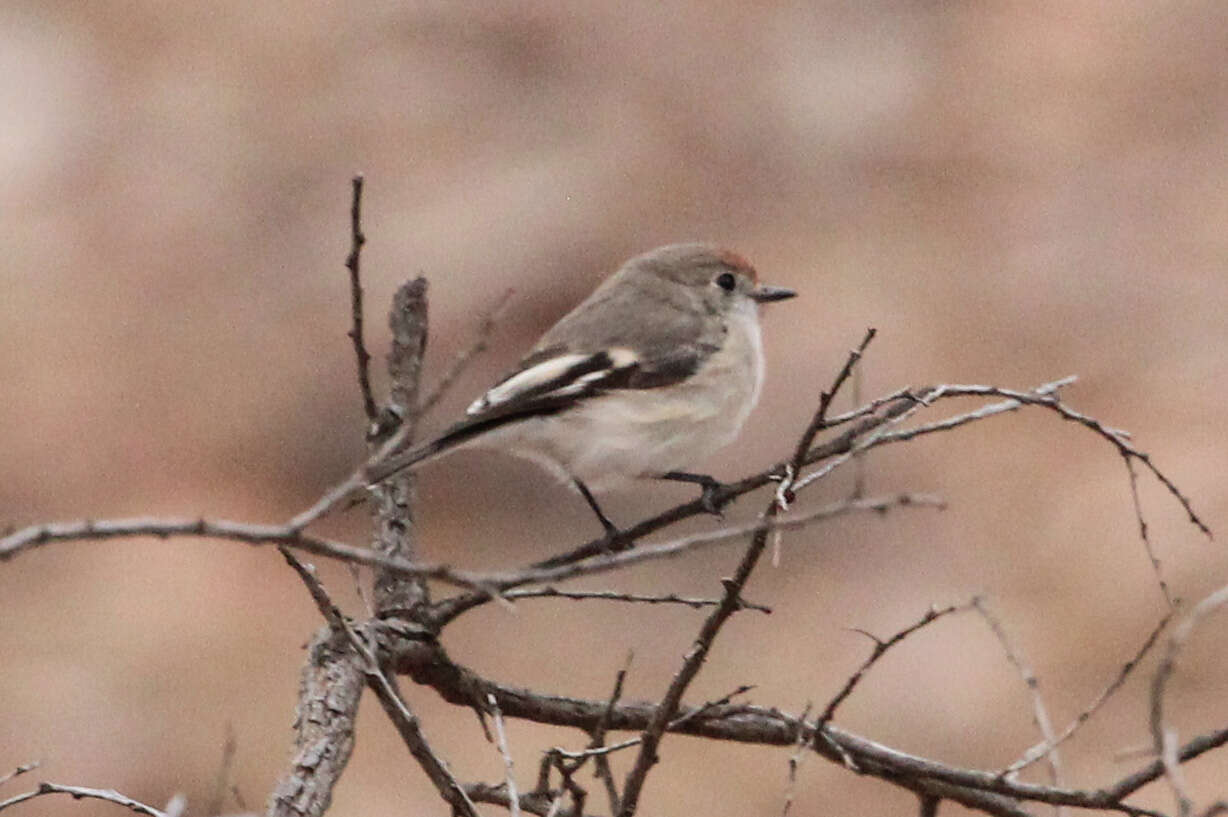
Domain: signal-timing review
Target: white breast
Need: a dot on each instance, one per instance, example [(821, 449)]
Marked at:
[(626, 433)]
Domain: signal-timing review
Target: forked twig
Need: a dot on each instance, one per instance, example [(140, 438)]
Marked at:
[(881, 646), (1040, 714), (1164, 735), (386, 691), (19, 771), (1041, 749)]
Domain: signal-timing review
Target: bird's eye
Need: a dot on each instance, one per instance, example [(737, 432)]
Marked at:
[(726, 281)]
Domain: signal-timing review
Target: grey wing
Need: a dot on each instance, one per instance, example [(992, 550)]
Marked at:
[(605, 343)]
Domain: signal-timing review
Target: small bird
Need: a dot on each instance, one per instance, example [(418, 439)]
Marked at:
[(657, 368)]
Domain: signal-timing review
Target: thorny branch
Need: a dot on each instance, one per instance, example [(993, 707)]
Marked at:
[(345, 655), (730, 603), (969, 788)]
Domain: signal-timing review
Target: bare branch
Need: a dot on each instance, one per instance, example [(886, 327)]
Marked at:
[(329, 690), (1143, 531), (795, 762), (531, 802), (20, 770), (604, 751), (386, 691), (80, 792), (730, 603), (447, 609), (1046, 398), (905, 394), (249, 533), (1155, 769), (16, 542), (484, 584), (988, 791), (840, 444), (601, 763), (395, 516), (651, 736), (1163, 734), (505, 753), (550, 592), (819, 421), (1041, 749), (880, 647), (357, 239), (1040, 714)]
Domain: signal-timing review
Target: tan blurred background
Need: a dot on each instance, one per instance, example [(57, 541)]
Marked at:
[(1009, 192)]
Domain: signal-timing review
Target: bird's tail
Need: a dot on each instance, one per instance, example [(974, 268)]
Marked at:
[(463, 432)]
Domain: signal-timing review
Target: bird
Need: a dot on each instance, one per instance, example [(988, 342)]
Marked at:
[(660, 366)]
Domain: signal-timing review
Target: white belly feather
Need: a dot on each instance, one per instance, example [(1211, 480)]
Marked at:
[(628, 433)]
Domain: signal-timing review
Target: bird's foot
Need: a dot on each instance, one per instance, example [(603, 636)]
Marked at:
[(711, 494)]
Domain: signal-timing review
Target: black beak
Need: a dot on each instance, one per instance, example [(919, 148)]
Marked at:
[(765, 294)]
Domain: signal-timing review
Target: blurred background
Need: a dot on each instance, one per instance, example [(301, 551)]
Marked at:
[(1010, 192)]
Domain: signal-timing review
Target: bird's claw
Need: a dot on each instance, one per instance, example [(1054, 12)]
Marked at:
[(710, 498)]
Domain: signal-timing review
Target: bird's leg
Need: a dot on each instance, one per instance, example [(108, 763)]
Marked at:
[(611, 530), (709, 488)]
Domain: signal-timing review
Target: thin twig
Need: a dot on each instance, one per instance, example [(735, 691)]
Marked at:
[(730, 603), (677, 723), (839, 444), (884, 434), (859, 462), (1143, 531), (881, 646), (1041, 749), (480, 342), (550, 592), (531, 802), (601, 763), (795, 762), (1046, 397), (819, 421), (249, 533), (80, 792), (1196, 747), (15, 542), (352, 261), (483, 583), (1163, 734), (1040, 714), (646, 758), (873, 406), (505, 753), (20, 770)]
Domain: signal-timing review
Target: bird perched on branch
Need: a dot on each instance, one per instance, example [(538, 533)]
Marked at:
[(657, 368)]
